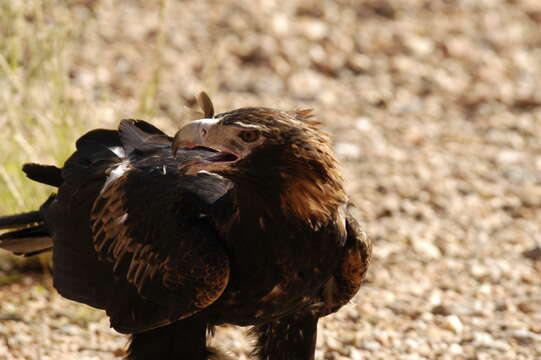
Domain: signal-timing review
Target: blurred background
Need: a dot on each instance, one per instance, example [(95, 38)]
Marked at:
[(435, 112)]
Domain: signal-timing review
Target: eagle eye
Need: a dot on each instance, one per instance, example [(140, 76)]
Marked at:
[(249, 135)]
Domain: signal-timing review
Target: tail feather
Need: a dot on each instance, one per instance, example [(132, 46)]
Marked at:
[(45, 174), (28, 241), (20, 220), (30, 234)]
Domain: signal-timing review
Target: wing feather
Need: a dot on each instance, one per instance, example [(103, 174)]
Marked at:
[(358, 250), (129, 239), (169, 255), (352, 267)]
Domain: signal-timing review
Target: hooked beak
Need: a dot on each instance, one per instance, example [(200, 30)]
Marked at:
[(188, 136), (202, 134)]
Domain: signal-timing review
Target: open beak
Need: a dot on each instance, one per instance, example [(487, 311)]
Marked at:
[(205, 135)]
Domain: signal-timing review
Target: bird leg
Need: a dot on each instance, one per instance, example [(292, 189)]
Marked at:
[(289, 338), (182, 340)]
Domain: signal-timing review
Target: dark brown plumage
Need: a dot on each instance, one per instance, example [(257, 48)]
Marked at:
[(241, 218)]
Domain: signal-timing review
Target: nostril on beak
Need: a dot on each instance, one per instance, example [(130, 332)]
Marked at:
[(203, 132)]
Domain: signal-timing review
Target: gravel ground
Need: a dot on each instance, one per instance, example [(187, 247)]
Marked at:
[(435, 109)]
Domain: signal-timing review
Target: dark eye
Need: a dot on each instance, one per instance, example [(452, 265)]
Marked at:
[(249, 135)]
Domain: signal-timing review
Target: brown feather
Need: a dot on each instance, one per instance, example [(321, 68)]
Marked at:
[(150, 265), (205, 104)]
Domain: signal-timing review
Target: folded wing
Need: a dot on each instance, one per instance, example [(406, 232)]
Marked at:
[(132, 235), (160, 241)]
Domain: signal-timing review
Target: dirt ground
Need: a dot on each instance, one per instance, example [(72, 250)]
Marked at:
[(434, 108)]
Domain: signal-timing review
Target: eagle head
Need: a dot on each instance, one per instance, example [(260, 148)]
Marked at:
[(281, 153)]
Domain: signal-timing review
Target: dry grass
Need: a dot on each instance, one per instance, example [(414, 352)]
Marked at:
[(41, 111), (35, 112), (435, 108)]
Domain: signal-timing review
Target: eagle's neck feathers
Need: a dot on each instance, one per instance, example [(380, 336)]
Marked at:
[(302, 183)]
